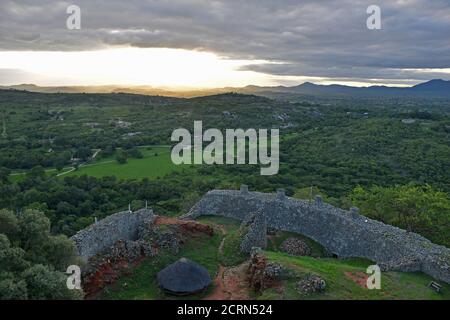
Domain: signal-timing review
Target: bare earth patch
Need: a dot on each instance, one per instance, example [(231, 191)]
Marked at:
[(231, 284), (360, 278)]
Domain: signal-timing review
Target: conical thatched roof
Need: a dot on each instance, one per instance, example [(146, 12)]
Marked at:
[(183, 277)]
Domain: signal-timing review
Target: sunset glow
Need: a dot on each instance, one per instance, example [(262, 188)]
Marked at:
[(160, 67)]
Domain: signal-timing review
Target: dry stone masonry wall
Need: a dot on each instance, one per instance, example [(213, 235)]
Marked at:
[(257, 232), (105, 233), (344, 233)]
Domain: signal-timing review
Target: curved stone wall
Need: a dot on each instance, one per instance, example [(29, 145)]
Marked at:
[(106, 232), (344, 233)]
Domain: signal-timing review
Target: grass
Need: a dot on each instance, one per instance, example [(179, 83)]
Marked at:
[(155, 163), (224, 223), (142, 284), (394, 285), (230, 254), (231, 251)]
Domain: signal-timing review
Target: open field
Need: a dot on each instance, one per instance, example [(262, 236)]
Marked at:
[(155, 163)]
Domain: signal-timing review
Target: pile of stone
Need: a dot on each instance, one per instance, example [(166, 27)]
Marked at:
[(166, 237), (408, 264), (273, 271), (310, 284), (296, 247), (256, 270)]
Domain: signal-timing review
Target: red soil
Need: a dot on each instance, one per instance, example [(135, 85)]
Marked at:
[(188, 226), (231, 284), (360, 278)]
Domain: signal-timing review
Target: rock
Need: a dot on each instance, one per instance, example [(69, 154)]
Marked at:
[(256, 270), (273, 271), (256, 235), (296, 247), (310, 284)]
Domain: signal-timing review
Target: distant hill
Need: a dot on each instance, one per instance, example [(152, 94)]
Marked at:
[(431, 89), (436, 88)]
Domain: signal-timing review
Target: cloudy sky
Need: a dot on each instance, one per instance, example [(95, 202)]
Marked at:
[(196, 43)]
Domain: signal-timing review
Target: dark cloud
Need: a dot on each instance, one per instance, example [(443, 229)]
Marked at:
[(312, 38)]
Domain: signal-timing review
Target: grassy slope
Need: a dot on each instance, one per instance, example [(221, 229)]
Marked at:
[(394, 285), (141, 284)]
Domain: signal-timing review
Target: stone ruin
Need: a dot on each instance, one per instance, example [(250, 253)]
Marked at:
[(112, 245), (343, 233), (103, 235), (115, 244), (256, 235)]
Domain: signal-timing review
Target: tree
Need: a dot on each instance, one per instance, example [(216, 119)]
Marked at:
[(12, 288), (4, 175), (60, 252), (121, 157), (44, 284), (33, 268), (135, 153), (419, 209), (34, 229), (36, 172), (12, 259), (9, 224), (83, 153)]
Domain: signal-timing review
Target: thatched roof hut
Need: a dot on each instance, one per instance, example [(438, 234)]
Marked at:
[(183, 277)]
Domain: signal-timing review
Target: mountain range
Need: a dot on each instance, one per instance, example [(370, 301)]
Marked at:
[(436, 88)]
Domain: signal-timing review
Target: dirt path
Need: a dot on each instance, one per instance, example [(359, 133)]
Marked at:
[(84, 164), (230, 283)]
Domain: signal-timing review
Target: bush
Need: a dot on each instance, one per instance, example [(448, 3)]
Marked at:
[(121, 157), (32, 261), (419, 209)]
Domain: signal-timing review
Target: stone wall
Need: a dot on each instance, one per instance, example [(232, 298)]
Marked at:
[(344, 233), (257, 232), (105, 233)]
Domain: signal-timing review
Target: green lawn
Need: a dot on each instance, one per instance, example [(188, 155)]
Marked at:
[(155, 163)]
